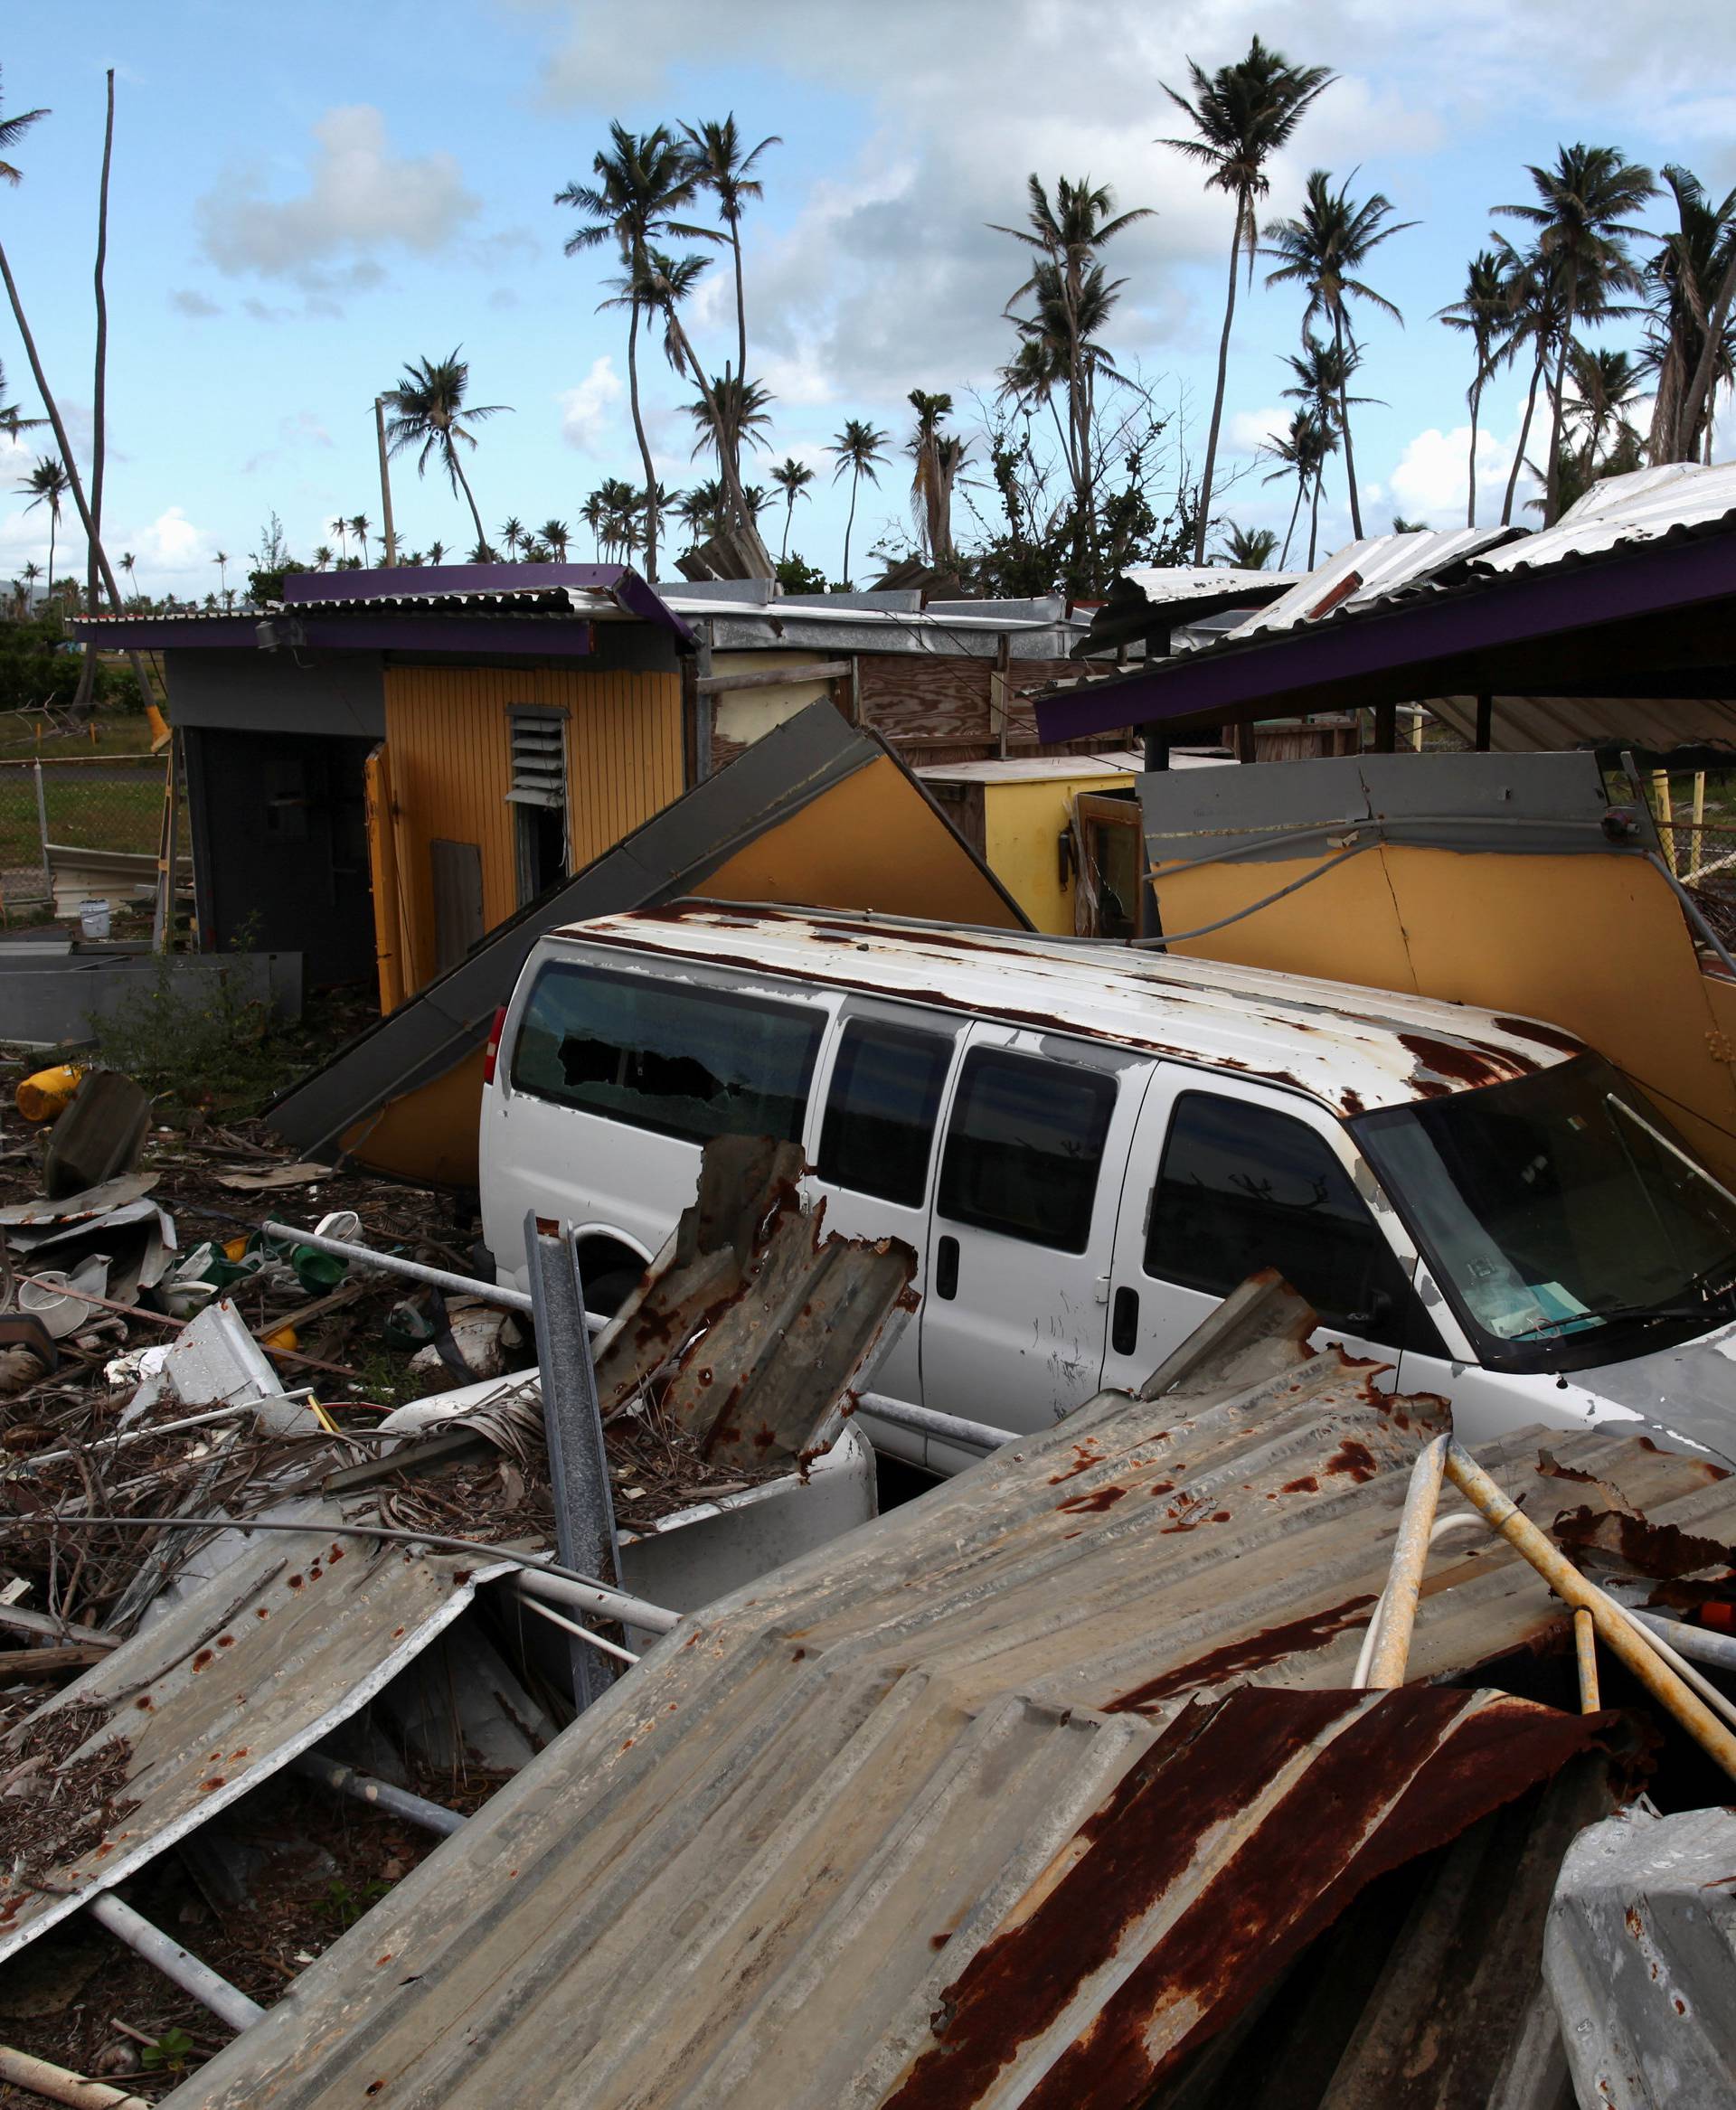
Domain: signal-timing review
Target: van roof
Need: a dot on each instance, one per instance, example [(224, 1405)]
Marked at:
[(1351, 1048)]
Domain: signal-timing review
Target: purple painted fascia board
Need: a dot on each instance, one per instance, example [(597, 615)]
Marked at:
[(154, 633), (619, 581), (1512, 610), (395, 630)]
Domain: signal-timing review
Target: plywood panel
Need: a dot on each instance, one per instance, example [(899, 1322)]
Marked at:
[(451, 768)]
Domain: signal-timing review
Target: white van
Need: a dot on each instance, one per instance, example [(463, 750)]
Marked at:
[(1089, 1145)]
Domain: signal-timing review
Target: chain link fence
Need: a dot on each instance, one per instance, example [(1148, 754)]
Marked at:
[(73, 829)]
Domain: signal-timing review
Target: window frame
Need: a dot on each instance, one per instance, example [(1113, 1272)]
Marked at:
[(1103, 1083), (941, 1035)]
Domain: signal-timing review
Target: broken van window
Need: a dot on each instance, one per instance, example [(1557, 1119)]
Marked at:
[(673, 1058), (1023, 1146)]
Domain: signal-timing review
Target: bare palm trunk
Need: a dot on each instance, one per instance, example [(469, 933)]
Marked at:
[(53, 523), (463, 485), (1343, 421), (1524, 431), (789, 513), (1476, 405), (849, 526), (732, 482), (1702, 394), (1314, 515), (1217, 399), (1552, 479), (86, 693), (644, 445), (741, 334), (1301, 485)]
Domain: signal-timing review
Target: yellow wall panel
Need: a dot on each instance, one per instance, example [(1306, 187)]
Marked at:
[(450, 743), (1021, 824)]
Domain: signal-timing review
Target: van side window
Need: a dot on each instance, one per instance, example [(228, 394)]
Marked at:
[(671, 1057), (880, 1108), (1023, 1146), (1244, 1187)]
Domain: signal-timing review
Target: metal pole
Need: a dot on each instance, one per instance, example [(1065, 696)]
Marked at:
[(537, 1582), (228, 2003), (585, 1536), (42, 831), (385, 480), (1619, 1635), (491, 1293), (951, 1428), (1404, 1582), (1697, 847), (361, 1787), (532, 1603), (163, 916)]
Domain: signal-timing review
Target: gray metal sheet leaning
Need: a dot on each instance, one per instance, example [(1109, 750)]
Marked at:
[(798, 1826), (239, 1678)]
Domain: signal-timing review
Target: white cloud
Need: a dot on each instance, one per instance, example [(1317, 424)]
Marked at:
[(187, 302), (1431, 479), (588, 418), (360, 199), (171, 543), (1247, 431)]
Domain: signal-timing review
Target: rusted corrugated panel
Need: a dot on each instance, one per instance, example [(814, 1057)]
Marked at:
[(751, 1874), (240, 1677)]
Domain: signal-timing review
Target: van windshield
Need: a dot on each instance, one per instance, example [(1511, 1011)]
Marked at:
[(1558, 1219)]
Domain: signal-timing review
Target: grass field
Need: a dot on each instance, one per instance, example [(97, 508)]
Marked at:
[(27, 737), (85, 807)]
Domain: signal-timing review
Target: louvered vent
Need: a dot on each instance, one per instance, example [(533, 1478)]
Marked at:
[(539, 758)]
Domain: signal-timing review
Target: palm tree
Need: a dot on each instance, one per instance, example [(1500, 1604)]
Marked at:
[(11, 419), (556, 534), (46, 484), (1686, 275), (341, 529), (513, 535), (702, 510), (30, 572), (742, 410), (428, 412), (724, 170), (359, 529), (1323, 250), (643, 181), (620, 508), (436, 552), (1241, 116), (1320, 382), (792, 478), (1606, 389), (1483, 311), (1073, 297), (128, 564), (322, 557), (1581, 230), (1302, 452), (861, 451), (222, 561), (939, 455), (1248, 549)]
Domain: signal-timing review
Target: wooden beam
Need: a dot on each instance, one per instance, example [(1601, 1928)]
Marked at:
[(776, 677), (1485, 722)]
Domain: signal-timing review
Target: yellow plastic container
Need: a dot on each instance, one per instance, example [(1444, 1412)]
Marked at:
[(47, 1095)]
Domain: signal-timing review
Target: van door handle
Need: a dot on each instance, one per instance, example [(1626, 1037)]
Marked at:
[(946, 1267), (1124, 1321)]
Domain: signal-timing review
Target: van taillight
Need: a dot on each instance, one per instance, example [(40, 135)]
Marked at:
[(491, 1054)]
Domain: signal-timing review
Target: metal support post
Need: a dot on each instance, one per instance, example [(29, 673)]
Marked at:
[(584, 1508), (491, 1293), (228, 2003), (1404, 1581), (1585, 1651), (385, 480), (362, 1787), (42, 830)]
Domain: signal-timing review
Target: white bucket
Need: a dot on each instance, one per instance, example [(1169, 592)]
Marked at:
[(93, 919)]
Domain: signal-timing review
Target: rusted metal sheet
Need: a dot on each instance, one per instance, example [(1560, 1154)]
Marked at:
[(771, 1327), (240, 1677), (821, 1802)]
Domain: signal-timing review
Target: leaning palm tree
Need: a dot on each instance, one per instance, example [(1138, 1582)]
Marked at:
[(1606, 392), (1581, 225), (1073, 298), (861, 451), (729, 413), (428, 412), (1301, 452), (1320, 382), (46, 484), (556, 534), (644, 180), (1322, 251), (1241, 116), (1483, 313), (725, 171), (1684, 276), (792, 478)]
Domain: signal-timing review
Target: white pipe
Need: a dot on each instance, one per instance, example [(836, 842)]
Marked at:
[(54, 2084), (596, 1598), (554, 1618), (1717, 1649), (1371, 1637), (228, 2003), (491, 1293), (363, 1787), (1404, 1578), (952, 1429)]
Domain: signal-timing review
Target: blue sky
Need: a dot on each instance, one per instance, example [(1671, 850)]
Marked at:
[(301, 201)]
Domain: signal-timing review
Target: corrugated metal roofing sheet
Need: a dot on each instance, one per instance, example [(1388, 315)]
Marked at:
[(239, 1678), (1640, 507), (1533, 724), (797, 1848), (1347, 1046), (1169, 584), (1367, 572)]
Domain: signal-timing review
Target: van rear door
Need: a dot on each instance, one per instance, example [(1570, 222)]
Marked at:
[(1023, 1225)]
